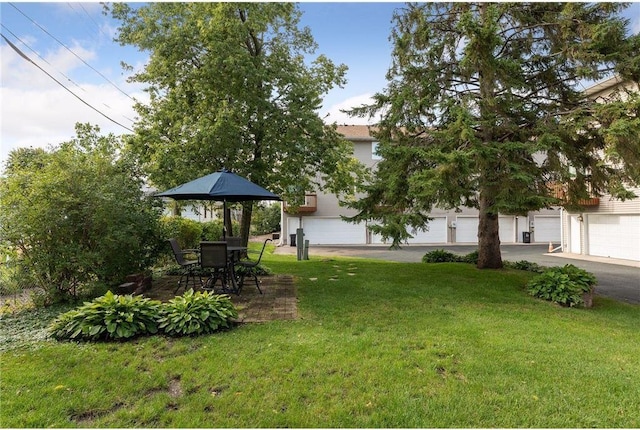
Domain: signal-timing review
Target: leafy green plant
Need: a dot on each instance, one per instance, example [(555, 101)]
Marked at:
[(93, 223), (440, 256), (525, 265), (187, 232), (108, 317), (196, 313), (471, 258), (266, 219), (563, 285)]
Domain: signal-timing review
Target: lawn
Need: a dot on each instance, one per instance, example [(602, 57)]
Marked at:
[(378, 344)]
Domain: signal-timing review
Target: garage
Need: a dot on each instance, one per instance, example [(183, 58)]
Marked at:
[(437, 232), (546, 229), (332, 231), (507, 229), (614, 236), (467, 229)]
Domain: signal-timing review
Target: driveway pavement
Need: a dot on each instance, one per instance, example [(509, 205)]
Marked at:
[(617, 279)]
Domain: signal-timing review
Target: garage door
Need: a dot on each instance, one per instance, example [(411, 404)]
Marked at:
[(546, 229), (333, 231), (467, 229), (614, 236), (507, 229), (437, 232)]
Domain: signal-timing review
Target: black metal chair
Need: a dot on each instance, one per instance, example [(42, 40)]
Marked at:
[(214, 257), (249, 268), (188, 266)]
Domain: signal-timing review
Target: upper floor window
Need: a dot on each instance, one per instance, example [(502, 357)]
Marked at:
[(374, 151)]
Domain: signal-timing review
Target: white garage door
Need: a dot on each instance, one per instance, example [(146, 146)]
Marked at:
[(507, 229), (467, 229), (333, 231), (614, 236), (546, 229), (437, 232)]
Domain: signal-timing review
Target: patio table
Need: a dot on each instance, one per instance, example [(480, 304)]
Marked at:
[(233, 256)]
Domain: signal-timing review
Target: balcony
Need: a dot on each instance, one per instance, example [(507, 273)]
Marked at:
[(559, 191), (309, 206)]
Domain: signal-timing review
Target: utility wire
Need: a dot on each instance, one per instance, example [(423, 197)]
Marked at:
[(39, 56), (68, 49), (94, 21), (23, 55)]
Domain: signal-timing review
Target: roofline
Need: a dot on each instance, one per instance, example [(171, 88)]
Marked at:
[(603, 85)]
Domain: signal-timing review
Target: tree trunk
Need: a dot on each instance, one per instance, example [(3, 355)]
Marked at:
[(245, 224), (175, 208), (489, 256), (228, 222)]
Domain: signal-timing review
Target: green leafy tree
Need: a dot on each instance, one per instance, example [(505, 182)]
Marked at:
[(484, 108), (230, 86), (76, 215), (266, 219)]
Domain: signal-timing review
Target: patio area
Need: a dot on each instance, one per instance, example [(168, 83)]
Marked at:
[(278, 301)]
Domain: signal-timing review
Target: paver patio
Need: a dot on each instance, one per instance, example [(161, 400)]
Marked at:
[(278, 301)]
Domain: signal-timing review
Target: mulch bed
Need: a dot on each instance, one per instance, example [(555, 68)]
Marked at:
[(278, 301)]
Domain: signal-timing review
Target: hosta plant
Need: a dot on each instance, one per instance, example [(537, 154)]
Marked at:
[(441, 256), (196, 313), (563, 285), (108, 317)]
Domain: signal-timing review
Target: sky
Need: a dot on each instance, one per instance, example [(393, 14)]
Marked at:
[(73, 43)]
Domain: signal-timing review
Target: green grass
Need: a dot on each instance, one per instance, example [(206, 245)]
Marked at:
[(378, 344)]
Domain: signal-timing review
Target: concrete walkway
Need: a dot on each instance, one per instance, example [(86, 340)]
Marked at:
[(617, 279)]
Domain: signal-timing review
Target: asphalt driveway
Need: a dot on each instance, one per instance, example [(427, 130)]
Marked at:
[(617, 279)]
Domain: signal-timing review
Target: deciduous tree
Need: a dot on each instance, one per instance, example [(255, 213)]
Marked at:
[(231, 85)]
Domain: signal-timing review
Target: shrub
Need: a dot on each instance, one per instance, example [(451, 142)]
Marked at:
[(441, 256), (471, 258), (212, 230), (76, 216), (108, 317), (563, 285), (196, 313), (187, 232), (525, 265)]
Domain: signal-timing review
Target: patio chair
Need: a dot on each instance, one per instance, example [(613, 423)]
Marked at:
[(215, 258), (249, 268), (233, 241), (189, 266)]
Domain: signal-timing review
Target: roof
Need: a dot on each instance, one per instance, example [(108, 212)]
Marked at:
[(603, 85), (356, 132)]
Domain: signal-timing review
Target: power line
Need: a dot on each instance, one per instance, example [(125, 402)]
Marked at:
[(68, 49), (39, 56), (23, 55)]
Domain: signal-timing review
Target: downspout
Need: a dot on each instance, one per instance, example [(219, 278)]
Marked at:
[(282, 232), (561, 229)]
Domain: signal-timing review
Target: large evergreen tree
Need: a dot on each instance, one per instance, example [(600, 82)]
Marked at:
[(230, 87), (485, 108)]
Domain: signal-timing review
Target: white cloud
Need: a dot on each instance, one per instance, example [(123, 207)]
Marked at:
[(333, 113), (36, 111)]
